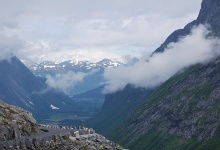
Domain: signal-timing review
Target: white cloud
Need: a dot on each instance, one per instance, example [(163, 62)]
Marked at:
[(65, 82), (52, 28), (189, 50), (9, 45)]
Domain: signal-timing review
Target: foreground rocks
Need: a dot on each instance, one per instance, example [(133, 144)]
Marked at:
[(16, 122), (20, 131), (93, 142), (57, 142)]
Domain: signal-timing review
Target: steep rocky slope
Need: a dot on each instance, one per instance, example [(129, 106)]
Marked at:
[(209, 15), (184, 112), (19, 87)]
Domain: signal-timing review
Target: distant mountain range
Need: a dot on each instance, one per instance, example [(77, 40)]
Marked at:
[(90, 82), (49, 67)]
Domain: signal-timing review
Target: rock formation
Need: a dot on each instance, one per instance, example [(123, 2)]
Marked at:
[(16, 122), (20, 131)]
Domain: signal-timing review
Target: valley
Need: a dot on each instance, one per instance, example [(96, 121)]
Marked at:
[(166, 99)]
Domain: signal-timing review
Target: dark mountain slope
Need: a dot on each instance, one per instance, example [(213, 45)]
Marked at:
[(18, 86), (96, 93), (209, 14), (184, 113), (117, 108)]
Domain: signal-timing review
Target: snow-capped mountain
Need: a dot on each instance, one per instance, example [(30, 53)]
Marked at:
[(48, 67), (91, 81)]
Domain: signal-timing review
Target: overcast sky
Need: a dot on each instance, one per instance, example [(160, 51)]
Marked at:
[(89, 29)]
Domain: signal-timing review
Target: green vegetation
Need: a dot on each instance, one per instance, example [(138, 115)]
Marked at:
[(154, 140), (188, 92), (34, 132), (117, 108), (64, 118), (169, 86)]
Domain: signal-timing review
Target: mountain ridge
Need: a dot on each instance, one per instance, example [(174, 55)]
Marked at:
[(20, 87), (208, 15), (183, 113), (93, 80), (71, 65)]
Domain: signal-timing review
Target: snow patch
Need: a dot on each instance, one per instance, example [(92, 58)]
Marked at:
[(31, 103), (49, 66), (53, 107)]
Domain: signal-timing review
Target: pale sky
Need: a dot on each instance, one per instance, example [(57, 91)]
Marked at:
[(89, 29)]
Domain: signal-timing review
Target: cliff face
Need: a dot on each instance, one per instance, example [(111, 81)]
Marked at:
[(16, 122), (209, 14), (209, 10), (184, 112)]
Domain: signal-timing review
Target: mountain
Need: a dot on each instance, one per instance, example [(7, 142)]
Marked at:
[(184, 112), (91, 81), (20, 87), (209, 14), (117, 108), (48, 67), (96, 93)]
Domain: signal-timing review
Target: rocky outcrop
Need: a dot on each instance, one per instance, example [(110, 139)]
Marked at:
[(62, 142), (20, 131), (16, 122)]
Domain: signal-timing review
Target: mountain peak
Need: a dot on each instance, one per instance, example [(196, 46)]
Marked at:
[(209, 14), (209, 10), (105, 60)]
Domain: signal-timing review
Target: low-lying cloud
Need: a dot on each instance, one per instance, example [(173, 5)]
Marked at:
[(67, 81), (150, 72)]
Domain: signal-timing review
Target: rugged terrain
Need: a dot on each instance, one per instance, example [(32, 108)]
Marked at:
[(208, 15), (183, 113), (20, 87), (19, 130), (16, 122)]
